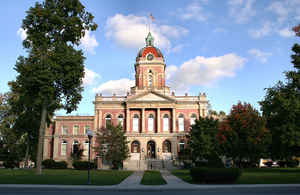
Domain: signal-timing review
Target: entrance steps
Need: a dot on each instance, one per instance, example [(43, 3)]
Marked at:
[(149, 164)]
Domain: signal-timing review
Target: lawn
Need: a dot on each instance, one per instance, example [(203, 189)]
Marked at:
[(257, 176), (62, 177), (153, 178)]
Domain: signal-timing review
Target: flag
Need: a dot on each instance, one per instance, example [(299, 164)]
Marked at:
[(152, 18)]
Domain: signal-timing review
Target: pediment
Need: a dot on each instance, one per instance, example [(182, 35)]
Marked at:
[(151, 97)]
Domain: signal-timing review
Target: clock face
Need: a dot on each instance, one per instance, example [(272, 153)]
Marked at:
[(150, 57)]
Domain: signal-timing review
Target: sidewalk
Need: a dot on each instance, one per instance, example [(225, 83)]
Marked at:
[(133, 183)]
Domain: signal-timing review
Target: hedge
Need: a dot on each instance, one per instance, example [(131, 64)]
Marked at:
[(52, 164), (215, 175), (83, 165)]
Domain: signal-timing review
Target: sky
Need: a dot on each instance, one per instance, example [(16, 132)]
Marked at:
[(231, 50)]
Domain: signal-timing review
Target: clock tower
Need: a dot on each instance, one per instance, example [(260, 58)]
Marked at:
[(150, 69)]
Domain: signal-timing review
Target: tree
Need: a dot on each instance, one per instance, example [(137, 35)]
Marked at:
[(203, 138), (12, 142), (50, 77), (281, 108), (77, 153), (242, 135), (112, 145)]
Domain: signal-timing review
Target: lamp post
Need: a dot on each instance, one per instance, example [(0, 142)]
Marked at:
[(90, 135)]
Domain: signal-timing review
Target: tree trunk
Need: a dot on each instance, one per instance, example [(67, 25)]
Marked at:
[(27, 154), (39, 156)]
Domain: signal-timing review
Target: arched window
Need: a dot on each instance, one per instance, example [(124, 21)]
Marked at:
[(108, 120), (166, 146), (150, 122), (135, 123), (181, 145), (166, 122), (120, 119), (181, 122), (193, 119), (63, 149), (150, 77), (135, 147), (75, 130), (86, 148), (75, 147)]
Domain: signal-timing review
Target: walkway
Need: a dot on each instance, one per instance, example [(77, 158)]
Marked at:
[(173, 181), (133, 181)]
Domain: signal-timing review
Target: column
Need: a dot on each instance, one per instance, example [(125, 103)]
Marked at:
[(158, 120), (143, 120), (45, 152), (200, 114), (174, 120), (55, 147), (100, 119), (127, 120)]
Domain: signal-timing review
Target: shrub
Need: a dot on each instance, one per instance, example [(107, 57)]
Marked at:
[(281, 163), (212, 163), (292, 163), (215, 175), (83, 165), (48, 163), (60, 165), (10, 164)]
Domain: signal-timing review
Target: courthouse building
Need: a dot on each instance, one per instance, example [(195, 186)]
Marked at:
[(155, 120)]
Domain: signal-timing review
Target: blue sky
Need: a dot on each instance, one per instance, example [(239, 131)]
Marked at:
[(231, 50)]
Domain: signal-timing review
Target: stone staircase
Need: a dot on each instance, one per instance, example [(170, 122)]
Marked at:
[(155, 164)]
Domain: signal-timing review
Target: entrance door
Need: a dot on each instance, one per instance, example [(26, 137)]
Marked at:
[(151, 149)]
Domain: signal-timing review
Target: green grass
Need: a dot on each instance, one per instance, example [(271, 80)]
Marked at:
[(62, 177), (153, 178), (257, 176)]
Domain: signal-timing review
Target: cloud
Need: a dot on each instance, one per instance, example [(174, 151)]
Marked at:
[(285, 10), (193, 11), (119, 87), (261, 32), (281, 9), (89, 77), (22, 33), (89, 42), (202, 71), (260, 55), (241, 10), (177, 48), (170, 70), (286, 32), (219, 30), (130, 31)]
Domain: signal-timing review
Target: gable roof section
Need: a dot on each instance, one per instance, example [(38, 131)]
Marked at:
[(151, 96)]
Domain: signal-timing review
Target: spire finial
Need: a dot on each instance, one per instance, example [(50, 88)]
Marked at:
[(149, 40)]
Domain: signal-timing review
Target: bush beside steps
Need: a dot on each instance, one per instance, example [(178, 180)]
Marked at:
[(215, 175), (83, 165), (52, 164)]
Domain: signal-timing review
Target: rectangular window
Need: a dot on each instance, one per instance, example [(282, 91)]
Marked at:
[(86, 149), (64, 130), (135, 124), (63, 149), (75, 130), (86, 129), (150, 124), (181, 124), (166, 124)]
